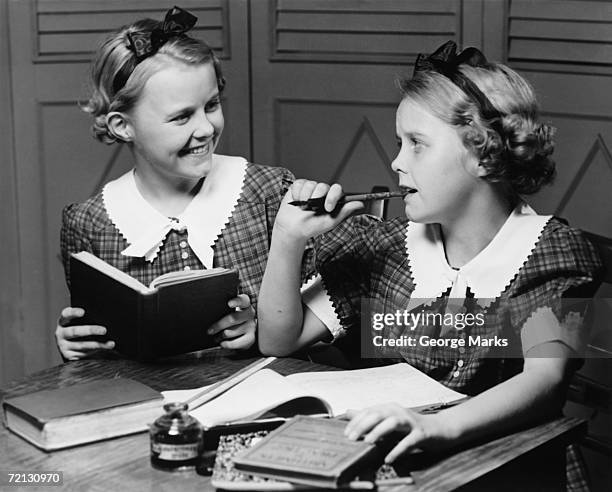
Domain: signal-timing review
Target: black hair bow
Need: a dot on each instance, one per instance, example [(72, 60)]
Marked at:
[(446, 61), (176, 22)]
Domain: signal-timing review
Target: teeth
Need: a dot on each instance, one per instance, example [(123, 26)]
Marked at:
[(198, 150)]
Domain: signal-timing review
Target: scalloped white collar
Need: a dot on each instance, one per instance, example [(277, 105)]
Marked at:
[(487, 274), (145, 229)]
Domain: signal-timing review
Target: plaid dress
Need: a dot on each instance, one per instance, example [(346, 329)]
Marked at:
[(364, 258), (243, 243)]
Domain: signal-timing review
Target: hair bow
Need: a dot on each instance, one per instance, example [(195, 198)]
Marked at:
[(176, 22), (446, 61)]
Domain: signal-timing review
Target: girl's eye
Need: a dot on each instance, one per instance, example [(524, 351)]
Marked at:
[(213, 105), (416, 144), (180, 119), (398, 142)]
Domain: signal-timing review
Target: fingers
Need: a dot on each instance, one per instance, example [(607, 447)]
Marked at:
[(303, 189), (333, 196), (79, 350), (242, 301), (242, 342), (69, 338), (73, 350), (384, 427), (407, 444), (78, 331), (230, 320), (364, 421), (70, 313)]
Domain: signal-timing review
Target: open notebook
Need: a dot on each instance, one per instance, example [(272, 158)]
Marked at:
[(330, 392)]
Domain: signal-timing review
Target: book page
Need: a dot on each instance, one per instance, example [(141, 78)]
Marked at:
[(398, 383), (184, 275), (254, 396), (112, 272)]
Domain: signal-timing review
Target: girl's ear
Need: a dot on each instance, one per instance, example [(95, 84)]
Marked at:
[(119, 125), (473, 166), (481, 171)]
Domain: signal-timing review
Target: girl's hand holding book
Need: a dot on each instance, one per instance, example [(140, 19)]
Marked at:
[(296, 223), (236, 330), (70, 338)]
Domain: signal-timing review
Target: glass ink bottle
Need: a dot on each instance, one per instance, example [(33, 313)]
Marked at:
[(176, 439)]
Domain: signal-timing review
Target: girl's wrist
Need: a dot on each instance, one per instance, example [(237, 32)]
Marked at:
[(447, 432), (286, 237)]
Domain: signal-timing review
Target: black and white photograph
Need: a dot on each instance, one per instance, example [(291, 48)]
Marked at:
[(288, 245)]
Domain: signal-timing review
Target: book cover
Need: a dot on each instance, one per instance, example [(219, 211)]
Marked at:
[(310, 451), (147, 322), (86, 412), (225, 475)]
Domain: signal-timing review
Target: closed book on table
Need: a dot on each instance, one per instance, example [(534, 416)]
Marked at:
[(168, 317), (86, 412), (310, 451)]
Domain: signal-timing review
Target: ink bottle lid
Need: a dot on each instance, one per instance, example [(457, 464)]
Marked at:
[(176, 439)]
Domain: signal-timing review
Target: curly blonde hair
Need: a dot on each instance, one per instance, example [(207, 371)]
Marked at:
[(117, 78), (514, 148)]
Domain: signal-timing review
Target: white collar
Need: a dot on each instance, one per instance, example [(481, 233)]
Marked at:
[(487, 274), (145, 229)]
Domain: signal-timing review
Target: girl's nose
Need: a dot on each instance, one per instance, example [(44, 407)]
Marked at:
[(204, 127), (397, 164)]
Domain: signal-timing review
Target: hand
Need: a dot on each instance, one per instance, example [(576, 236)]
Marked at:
[(423, 431), (65, 336), (236, 330), (296, 223)]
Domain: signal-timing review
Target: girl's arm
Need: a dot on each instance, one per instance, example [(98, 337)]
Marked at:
[(284, 325), (537, 392), (68, 332)]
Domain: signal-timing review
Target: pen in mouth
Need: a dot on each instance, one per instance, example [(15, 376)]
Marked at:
[(317, 204)]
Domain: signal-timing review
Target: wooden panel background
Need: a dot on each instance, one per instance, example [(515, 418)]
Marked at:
[(310, 86)]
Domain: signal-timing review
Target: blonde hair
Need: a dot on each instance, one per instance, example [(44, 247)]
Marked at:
[(514, 148), (117, 78)]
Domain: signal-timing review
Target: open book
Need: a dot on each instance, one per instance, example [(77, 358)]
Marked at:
[(330, 393), (169, 316)]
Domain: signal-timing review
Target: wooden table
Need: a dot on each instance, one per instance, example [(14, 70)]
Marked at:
[(531, 459)]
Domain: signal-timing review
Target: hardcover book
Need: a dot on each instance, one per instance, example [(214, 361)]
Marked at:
[(310, 451), (225, 476), (168, 317), (87, 412)]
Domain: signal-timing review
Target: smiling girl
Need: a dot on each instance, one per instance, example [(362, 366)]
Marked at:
[(470, 146), (158, 91)]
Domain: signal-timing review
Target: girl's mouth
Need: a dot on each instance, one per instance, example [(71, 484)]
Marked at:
[(197, 150), (408, 190)]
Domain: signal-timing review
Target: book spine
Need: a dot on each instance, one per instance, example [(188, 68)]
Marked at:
[(148, 325)]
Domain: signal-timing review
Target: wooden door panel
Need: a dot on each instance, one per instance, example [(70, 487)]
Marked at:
[(351, 148), (324, 82)]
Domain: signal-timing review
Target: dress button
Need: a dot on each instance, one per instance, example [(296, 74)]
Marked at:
[(462, 350), (187, 268), (183, 244), (460, 363), (456, 374), (184, 255)]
